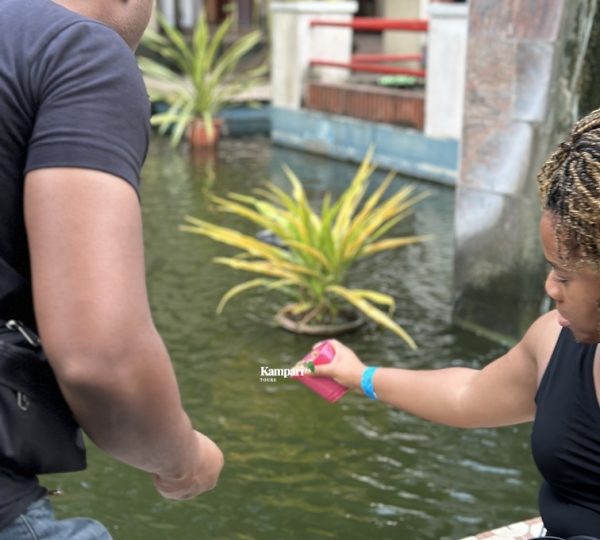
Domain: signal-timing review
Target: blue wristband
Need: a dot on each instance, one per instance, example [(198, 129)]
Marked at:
[(366, 382)]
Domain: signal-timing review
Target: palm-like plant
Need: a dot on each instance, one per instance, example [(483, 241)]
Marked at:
[(199, 78), (318, 249)]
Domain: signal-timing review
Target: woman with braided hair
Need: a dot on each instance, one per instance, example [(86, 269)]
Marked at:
[(552, 376)]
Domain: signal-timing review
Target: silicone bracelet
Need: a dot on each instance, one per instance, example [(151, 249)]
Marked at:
[(366, 382)]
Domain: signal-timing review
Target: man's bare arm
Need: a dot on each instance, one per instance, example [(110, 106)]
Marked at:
[(85, 238)]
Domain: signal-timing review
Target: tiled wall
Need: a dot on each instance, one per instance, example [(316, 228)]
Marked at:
[(398, 107)]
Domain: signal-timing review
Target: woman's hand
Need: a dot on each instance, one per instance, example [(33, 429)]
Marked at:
[(345, 368)]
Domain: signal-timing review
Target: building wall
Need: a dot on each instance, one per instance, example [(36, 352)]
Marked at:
[(395, 42)]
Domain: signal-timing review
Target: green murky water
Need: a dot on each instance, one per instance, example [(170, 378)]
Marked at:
[(298, 468)]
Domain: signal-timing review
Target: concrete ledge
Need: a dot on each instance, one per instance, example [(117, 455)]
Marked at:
[(448, 11), (328, 8), (522, 530), (403, 150)]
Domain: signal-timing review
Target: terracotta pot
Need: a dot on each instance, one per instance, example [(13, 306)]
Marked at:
[(198, 134), (350, 321)]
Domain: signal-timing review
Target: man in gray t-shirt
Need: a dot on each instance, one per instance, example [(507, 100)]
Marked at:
[(73, 137)]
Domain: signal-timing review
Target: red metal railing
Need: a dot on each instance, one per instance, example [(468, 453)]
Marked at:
[(384, 70), (374, 24), (372, 62)]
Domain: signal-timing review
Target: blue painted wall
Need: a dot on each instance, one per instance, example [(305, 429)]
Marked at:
[(244, 120), (404, 150)]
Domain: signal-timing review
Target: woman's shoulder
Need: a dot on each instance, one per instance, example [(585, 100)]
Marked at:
[(540, 339)]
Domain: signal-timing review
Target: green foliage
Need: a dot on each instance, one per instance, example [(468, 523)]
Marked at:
[(198, 78), (321, 247)]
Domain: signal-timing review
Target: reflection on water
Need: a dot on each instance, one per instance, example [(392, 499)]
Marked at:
[(298, 468)]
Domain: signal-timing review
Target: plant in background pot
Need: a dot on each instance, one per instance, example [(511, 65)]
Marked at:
[(315, 250), (196, 79)]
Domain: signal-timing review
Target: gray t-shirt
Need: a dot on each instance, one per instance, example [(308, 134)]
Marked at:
[(71, 95)]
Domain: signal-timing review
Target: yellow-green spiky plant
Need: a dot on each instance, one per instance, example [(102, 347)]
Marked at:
[(203, 76), (318, 248)]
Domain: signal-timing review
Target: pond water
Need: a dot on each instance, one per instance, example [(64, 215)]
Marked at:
[(297, 467)]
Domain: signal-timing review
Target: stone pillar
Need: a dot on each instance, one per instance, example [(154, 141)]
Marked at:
[(153, 23), (294, 43), (168, 10), (181, 13), (188, 13), (523, 70), (446, 67)]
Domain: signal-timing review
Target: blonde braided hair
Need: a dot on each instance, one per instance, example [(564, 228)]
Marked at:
[(569, 185)]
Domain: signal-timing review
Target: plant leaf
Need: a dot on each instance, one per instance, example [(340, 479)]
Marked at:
[(312, 251), (247, 285), (176, 38), (268, 268), (393, 243), (377, 297), (234, 238), (243, 211), (371, 311)]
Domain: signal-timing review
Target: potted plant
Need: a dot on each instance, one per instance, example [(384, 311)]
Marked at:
[(196, 79), (315, 250)]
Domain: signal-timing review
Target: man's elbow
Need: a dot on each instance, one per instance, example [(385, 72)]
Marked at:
[(103, 364)]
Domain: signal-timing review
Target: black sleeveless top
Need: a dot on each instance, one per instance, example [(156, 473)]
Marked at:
[(565, 441)]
